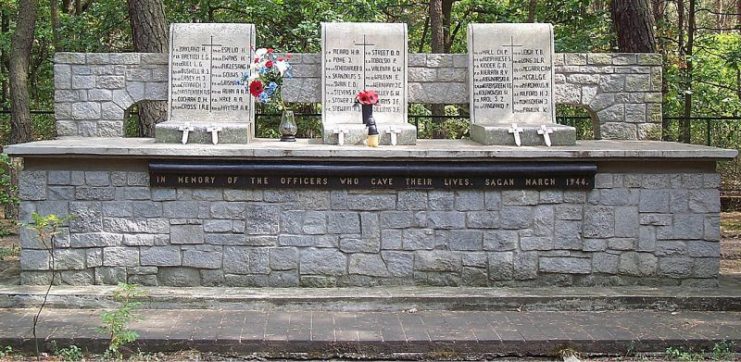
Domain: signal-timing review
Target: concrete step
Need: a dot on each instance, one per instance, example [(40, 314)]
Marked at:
[(725, 298), (383, 335)]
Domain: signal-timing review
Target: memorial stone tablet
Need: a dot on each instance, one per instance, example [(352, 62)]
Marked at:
[(365, 56), (512, 77), (207, 62), (511, 85)]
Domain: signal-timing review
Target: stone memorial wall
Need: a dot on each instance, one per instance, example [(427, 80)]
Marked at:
[(621, 91), (651, 223)]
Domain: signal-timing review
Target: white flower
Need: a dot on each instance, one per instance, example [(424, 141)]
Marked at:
[(260, 52), (282, 66)]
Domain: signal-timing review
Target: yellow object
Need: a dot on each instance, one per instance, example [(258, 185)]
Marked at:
[(373, 140)]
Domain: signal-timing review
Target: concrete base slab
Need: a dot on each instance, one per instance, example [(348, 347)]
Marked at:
[(500, 135), (725, 298), (356, 134), (231, 133)]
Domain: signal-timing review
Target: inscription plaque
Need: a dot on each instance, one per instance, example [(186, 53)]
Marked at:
[(207, 62), (358, 56), (511, 77), (398, 175)]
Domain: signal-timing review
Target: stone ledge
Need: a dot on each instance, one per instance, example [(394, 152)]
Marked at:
[(145, 148)]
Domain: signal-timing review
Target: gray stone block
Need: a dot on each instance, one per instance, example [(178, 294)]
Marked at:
[(675, 266), (706, 268), (411, 200), (95, 239), (322, 262), (536, 243), (202, 259), (367, 264), (437, 261), (78, 277), (396, 219), (704, 201), (95, 193), (568, 235), (360, 245), (688, 226), (605, 263), (699, 248), (470, 240), (283, 258), (525, 265), (120, 256), (343, 222), (186, 234), (225, 210), (110, 275), (283, 279), (565, 265), (482, 219), (501, 265), (262, 219), (499, 135), (315, 222), (69, 259), (161, 256), (179, 277), (399, 263), (369, 202), (500, 240), (469, 200), (93, 258), (32, 185), (671, 247), (418, 239), (35, 259), (515, 217), (599, 222)]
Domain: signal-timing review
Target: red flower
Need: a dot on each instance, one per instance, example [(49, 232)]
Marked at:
[(269, 64), (280, 59), (367, 97), (256, 88), (270, 50)]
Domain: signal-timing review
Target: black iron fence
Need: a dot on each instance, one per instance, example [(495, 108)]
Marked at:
[(712, 131)]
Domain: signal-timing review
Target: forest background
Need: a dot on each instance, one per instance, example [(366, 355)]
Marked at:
[(700, 41)]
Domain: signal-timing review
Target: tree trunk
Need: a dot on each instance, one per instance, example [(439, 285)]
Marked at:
[(20, 57), (436, 26), (437, 29), (634, 24), (687, 113), (149, 32), (54, 8), (4, 61), (531, 9)]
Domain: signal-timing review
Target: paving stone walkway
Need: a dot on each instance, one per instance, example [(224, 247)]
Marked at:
[(383, 334)]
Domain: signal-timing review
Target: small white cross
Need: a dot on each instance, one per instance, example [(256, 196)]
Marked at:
[(394, 133), (545, 131), (186, 129), (214, 134), (340, 135), (516, 131)]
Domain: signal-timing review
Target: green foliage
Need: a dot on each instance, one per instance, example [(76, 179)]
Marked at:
[(8, 190), (681, 354), (6, 351), (116, 322), (13, 251), (47, 227), (71, 353), (723, 351)]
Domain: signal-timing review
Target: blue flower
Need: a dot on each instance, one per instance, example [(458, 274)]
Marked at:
[(264, 97), (273, 86)]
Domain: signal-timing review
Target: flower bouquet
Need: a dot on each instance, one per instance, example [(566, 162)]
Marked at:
[(367, 98), (264, 82)]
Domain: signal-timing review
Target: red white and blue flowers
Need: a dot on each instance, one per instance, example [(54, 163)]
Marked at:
[(266, 75)]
